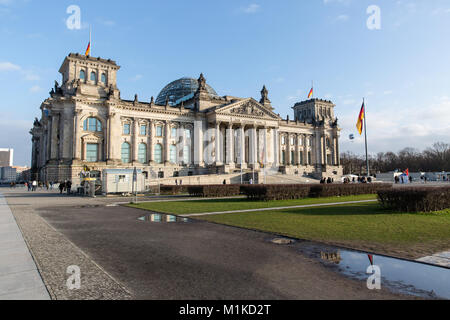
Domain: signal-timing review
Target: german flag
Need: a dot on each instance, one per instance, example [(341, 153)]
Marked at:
[(88, 50), (311, 93), (360, 124)]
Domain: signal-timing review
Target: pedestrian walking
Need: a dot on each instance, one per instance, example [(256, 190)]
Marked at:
[(61, 187), (69, 186)]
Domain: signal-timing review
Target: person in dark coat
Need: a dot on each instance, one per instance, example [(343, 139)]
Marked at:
[(61, 187), (68, 186)]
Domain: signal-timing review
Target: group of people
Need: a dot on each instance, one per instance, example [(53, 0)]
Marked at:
[(31, 185), (410, 178), (326, 180), (358, 180), (63, 186)]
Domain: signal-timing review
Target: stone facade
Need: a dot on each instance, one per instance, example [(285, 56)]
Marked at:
[(86, 123)]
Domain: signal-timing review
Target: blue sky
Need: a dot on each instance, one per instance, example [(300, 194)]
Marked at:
[(402, 69)]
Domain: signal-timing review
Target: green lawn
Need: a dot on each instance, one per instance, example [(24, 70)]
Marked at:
[(362, 226), (202, 206)]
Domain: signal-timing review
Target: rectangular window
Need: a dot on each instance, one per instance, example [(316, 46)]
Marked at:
[(121, 178), (143, 130), (173, 154), (126, 128), (309, 158), (187, 155), (91, 152), (174, 132), (301, 158), (159, 131), (187, 133)]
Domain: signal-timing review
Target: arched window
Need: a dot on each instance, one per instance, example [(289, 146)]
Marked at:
[(158, 154), (173, 154), (92, 125), (93, 76), (142, 153), (103, 78), (126, 152), (187, 154), (82, 75)]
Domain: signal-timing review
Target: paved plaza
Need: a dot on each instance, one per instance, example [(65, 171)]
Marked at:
[(19, 276), (121, 257)]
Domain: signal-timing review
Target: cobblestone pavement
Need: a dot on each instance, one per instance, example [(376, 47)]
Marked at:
[(54, 253)]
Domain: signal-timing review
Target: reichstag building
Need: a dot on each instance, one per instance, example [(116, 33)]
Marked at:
[(188, 130)]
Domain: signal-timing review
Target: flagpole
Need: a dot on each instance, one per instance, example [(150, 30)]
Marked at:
[(90, 40), (365, 134)]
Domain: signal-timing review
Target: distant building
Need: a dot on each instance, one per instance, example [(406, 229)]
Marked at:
[(8, 174), (6, 157), (21, 172)]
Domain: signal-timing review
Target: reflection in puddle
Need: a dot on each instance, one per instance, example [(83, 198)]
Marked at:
[(334, 257), (401, 276), (163, 218)]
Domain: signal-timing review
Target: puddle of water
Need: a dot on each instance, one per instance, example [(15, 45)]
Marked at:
[(163, 218), (400, 276)]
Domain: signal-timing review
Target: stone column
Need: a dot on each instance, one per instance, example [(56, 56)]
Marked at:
[(297, 149), (217, 145), (230, 141), (76, 150), (135, 143), (242, 147), (151, 147), (182, 135), (324, 149), (167, 142), (253, 147), (338, 155), (288, 150), (198, 142), (54, 136), (265, 154), (276, 148), (305, 150)]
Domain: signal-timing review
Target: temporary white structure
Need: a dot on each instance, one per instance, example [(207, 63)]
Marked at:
[(121, 181)]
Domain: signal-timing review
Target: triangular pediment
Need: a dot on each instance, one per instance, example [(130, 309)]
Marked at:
[(248, 107)]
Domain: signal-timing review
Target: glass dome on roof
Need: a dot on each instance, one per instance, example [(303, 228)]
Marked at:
[(179, 89)]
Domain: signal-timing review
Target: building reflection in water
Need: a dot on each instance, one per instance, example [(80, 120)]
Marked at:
[(334, 257)]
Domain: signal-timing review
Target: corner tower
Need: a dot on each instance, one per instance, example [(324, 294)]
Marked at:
[(95, 77), (314, 110)]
